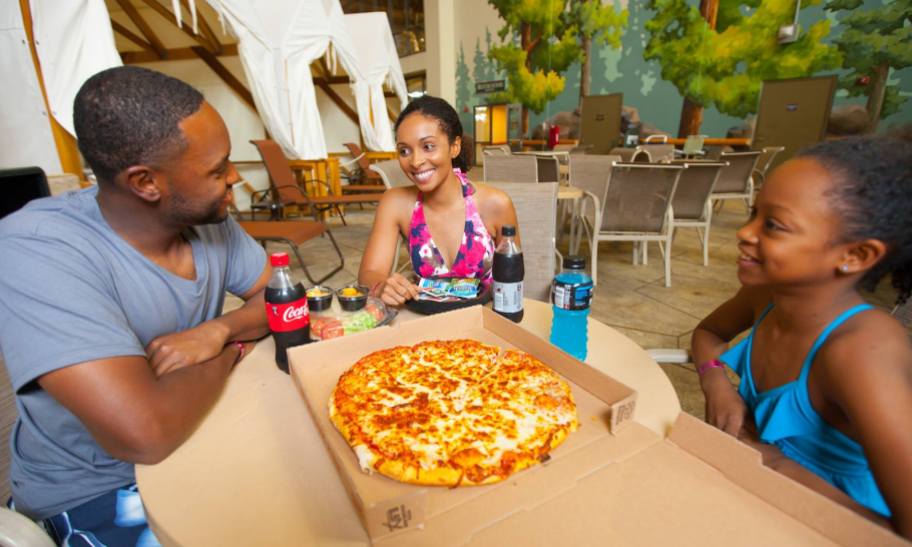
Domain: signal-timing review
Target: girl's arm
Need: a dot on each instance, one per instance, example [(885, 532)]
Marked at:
[(374, 273), (724, 407), (867, 373)]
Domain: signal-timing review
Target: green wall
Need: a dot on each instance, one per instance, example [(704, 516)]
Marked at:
[(640, 81)]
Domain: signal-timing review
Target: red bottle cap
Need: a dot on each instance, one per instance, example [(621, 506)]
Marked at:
[(279, 259)]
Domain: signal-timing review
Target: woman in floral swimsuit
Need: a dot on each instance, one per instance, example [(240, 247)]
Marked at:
[(451, 225)]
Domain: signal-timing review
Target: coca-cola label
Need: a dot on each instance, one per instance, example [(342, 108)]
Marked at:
[(287, 317)]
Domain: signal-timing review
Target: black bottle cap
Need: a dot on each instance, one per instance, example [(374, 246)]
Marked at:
[(508, 230), (575, 263)]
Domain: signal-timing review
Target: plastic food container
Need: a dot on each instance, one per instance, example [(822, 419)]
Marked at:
[(352, 297), (334, 322), (319, 298)]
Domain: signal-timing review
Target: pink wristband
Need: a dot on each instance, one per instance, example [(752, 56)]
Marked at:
[(240, 347), (712, 363)]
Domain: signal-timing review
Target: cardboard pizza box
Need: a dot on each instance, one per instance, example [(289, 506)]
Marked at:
[(613, 481), (388, 507)]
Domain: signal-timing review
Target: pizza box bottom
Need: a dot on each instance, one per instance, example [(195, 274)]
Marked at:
[(612, 481)]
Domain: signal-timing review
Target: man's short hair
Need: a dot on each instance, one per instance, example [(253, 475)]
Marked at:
[(129, 115)]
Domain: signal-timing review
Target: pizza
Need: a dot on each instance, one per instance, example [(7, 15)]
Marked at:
[(451, 413)]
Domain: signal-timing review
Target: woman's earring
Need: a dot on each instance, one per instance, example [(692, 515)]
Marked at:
[(844, 268)]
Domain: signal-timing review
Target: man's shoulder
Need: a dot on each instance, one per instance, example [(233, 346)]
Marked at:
[(61, 216)]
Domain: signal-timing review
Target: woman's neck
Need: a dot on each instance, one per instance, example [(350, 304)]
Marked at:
[(806, 308), (446, 194)]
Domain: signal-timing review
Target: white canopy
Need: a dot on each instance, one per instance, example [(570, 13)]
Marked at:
[(278, 40), (379, 62), (74, 40)]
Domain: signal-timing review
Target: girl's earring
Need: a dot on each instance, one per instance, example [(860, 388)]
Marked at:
[(844, 268)]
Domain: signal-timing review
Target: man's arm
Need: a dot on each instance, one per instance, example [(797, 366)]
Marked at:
[(131, 413), (203, 342)]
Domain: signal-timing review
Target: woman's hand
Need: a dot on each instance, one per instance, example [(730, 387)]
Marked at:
[(725, 408), (396, 290)]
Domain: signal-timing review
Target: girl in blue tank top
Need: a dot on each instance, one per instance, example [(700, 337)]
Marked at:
[(825, 386)]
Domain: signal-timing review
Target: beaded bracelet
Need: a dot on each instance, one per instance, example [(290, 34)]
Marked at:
[(712, 363)]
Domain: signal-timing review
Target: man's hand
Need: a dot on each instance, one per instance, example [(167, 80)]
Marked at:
[(396, 290), (725, 408), (171, 352)]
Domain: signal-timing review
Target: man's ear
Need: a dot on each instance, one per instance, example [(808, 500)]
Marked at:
[(862, 255), (143, 181)]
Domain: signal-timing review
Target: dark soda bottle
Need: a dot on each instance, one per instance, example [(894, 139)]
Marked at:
[(509, 271), (286, 309)]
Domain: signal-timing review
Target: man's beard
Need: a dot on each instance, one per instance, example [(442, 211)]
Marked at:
[(184, 213)]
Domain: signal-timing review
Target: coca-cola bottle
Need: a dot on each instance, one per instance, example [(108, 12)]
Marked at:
[(286, 309)]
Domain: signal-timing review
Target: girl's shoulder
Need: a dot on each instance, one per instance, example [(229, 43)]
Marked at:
[(870, 342)]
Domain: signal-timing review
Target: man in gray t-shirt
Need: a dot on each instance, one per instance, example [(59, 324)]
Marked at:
[(111, 320)]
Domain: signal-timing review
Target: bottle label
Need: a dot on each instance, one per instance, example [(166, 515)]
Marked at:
[(508, 297), (576, 296), (287, 317)]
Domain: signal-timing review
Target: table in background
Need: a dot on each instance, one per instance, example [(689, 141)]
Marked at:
[(257, 472)]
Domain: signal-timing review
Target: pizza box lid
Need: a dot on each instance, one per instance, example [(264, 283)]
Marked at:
[(388, 507)]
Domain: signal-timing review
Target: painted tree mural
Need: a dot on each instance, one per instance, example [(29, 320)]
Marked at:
[(541, 47), (725, 66), (873, 41), (594, 22), (465, 92)]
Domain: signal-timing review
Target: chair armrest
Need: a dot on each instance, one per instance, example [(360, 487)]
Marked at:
[(669, 355)]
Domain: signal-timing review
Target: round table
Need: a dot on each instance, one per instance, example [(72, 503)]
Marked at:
[(256, 471)]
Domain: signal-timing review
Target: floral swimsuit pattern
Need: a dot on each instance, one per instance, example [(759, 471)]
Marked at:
[(476, 252)]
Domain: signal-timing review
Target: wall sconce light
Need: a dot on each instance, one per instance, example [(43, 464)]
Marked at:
[(789, 33)]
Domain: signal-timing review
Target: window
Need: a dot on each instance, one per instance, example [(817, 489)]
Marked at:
[(406, 18)]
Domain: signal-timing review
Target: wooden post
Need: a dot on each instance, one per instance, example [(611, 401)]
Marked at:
[(66, 143)]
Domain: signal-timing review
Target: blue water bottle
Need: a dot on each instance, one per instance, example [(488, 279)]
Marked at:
[(571, 294)]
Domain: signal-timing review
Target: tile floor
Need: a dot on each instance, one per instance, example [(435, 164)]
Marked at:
[(631, 299)]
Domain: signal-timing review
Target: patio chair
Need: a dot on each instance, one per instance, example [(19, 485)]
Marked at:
[(19, 186), (736, 181), (497, 150), (764, 162), (634, 205), (693, 147), (590, 174), (293, 233), (548, 169), (657, 149), (512, 168), (691, 205), (284, 191), (536, 210), (391, 173), (363, 178)]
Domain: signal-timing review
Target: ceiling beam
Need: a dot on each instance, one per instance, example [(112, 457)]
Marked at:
[(169, 16), (225, 75), (207, 30), (340, 102), (131, 36), (143, 27), (177, 54)]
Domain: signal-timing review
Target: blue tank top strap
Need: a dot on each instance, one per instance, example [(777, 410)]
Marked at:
[(822, 337)]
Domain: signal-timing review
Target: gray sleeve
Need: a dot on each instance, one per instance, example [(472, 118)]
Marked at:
[(56, 309), (246, 259)]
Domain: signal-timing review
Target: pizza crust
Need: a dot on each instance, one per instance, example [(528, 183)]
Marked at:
[(451, 413)]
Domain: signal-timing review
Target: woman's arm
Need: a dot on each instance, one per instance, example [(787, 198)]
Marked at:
[(393, 289), (497, 211), (867, 373), (724, 407)]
